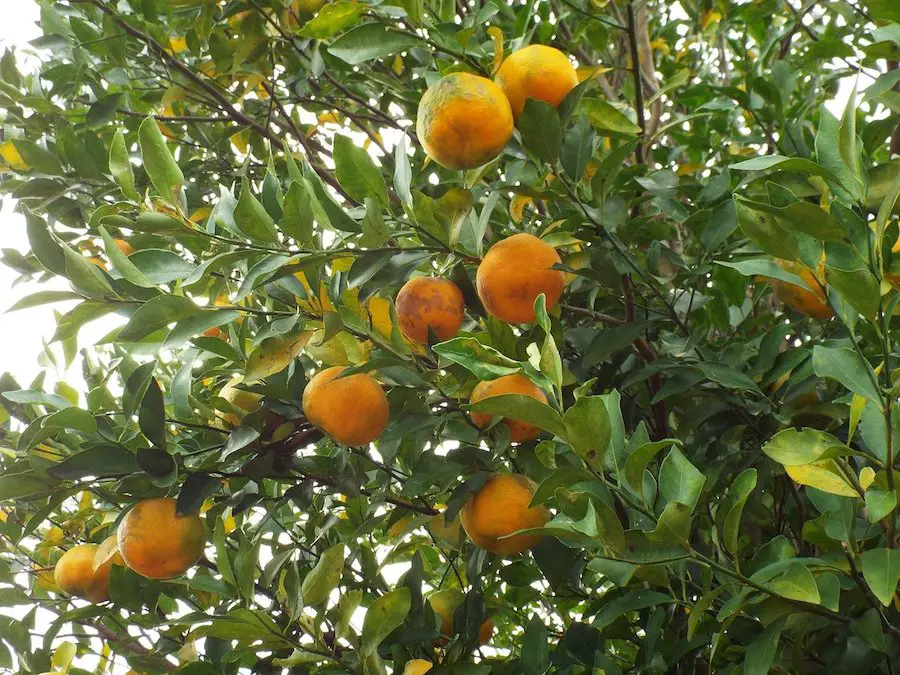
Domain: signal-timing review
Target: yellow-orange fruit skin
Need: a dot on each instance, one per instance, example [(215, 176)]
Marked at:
[(426, 302), (444, 604), (158, 544), (463, 121), (500, 508), (519, 431), (351, 410), (538, 72), (74, 572), (514, 272), (813, 303), (417, 667), (123, 246)]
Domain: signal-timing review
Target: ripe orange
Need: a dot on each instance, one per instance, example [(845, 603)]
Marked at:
[(519, 432), (444, 604), (813, 303), (514, 272), (158, 544), (427, 302), (500, 508), (74, 573), (352, 410), (536, 71), (464, 121), (123, 246), (106, 555)]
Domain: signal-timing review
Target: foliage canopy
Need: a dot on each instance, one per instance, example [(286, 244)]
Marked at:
[(238, 187)]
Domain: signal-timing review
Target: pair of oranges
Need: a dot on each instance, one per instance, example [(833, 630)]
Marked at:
[(464, 120)]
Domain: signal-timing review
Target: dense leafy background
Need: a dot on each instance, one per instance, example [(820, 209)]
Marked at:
[(717, 463)]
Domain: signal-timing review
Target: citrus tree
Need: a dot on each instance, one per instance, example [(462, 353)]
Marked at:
[(455, 336)]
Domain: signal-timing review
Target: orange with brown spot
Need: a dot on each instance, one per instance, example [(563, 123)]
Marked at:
[(464, 121), (157, 543), (352, 410), (514, 272), (428, 303), (538, 72), (519, 431)]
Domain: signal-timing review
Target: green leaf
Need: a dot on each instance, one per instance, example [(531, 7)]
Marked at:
[(762, 651), (102, 460), (524, 409), (195, 490), (156, 314), (540, 129), (103, 110), (679, 480), (577, 149), (804, 217), (297, 215), (847, 367), (868, 628), (197, 324), (71, 418), (836, 152), (17, 485), (673, 526), (152, 415), (535, 650), (159, 163), (728, 377), (274, 354), (332, 19), (633, 602), (382, 617), (738, 493), (881, 570), (796, 583), (371, 41), (605, 117), (637, 461), (122, 264), (764, 267), (120, 166), (252, 219), (486, 363), (779, 163), (879, 504), (402, 172), (764, 230), (588, 430), (356, 171), (40, 159), (324, 577), (793, 447), (858, 287), (86, 276)]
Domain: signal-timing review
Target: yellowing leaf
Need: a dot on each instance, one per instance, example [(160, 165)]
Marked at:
[(2, 516), (497, 36), (857, 405), (866, 477), (380, 311), (12, 157), (200, 214), (240, 141), (274, 354), (177, 45), (229, 524), (86, 501), (710, 17), (823, 475), (328, 118), (398, 66), (517, 207), (660, 45), (587, 72), (689, 168)]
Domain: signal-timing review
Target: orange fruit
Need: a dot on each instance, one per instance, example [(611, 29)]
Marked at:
[(427, 302), (352, 410), (813, 303), (464, 121), (538, 72), (158, 544), (74, 572), (444, 604), (500, 508), (508, 384), (215, 332), (123, 246), (514, 272)]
